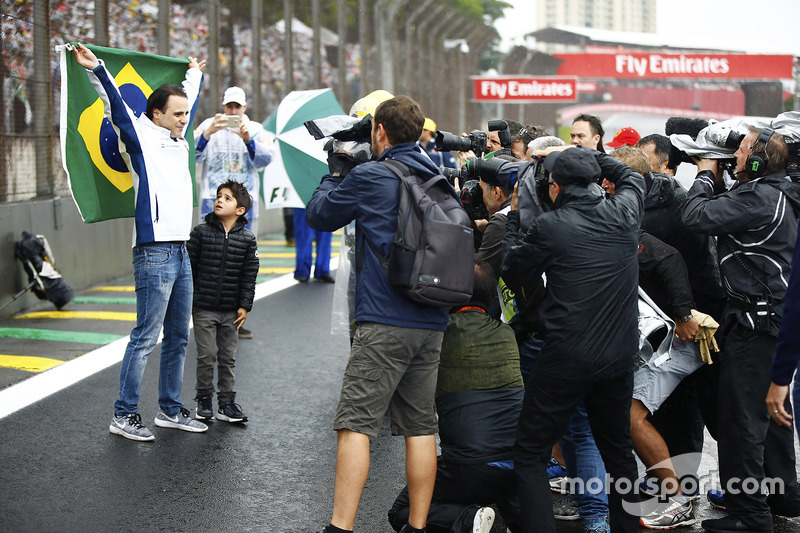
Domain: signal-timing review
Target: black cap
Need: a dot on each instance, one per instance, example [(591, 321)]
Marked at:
[(574, 165)]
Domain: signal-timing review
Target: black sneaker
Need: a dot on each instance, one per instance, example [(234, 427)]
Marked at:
[(245, 333), (205, 411), (230, 412)]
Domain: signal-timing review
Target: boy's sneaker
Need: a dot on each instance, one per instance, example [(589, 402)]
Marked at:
[(230, 412), (675, 515), (597, 527), (205, 410), (558, 477), (716, 499), (245, 333), (565, 509), (180, 421), (483, 521), (130, 426)]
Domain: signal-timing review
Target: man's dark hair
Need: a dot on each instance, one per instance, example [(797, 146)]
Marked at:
[(595, 125), (661, 147), (158, 98), (529, 133), (775, 151), (513, 128), (402, 119), (484, 287), (239, 192)]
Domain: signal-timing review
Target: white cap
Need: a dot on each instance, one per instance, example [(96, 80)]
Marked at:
[(234, 94)]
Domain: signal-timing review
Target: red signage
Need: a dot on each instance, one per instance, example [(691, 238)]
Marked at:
[(525, 89), (659, 66)]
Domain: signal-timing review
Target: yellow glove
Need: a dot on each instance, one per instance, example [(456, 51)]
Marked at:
[(705, 335)]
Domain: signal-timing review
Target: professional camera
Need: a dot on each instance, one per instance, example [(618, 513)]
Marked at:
[(475, 141), (346, 134), (472, 200), (474, 168)]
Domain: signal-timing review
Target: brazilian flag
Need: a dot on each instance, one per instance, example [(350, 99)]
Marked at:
[(99, 180)]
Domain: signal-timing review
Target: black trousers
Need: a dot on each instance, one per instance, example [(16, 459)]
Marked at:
[(458, 492), (752, 446), (546, 411)]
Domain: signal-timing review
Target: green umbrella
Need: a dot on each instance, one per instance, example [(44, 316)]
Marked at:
[(299, 161)]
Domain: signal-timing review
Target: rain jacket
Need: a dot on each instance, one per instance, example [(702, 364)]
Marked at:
[(587, 248), (662, 219), (370, 195), (756, 225), (224, 265)]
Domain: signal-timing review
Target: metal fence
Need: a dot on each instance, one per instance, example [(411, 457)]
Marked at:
[(407, 44)]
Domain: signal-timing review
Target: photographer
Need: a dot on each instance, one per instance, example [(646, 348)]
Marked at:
[(586, 247), (395, 351), (497, 199), (756, 225)]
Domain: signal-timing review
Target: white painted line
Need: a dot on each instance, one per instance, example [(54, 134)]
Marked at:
[(58, 378)]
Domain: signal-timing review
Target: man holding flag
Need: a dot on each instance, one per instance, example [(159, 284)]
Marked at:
[(157, 155)]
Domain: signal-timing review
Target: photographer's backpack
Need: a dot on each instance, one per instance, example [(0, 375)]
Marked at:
[(431, 260)]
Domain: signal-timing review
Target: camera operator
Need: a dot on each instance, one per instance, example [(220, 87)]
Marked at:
[(756, 225), (395, 351)]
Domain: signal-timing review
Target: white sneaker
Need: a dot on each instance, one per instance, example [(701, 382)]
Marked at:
[(483, 521), (180, 421), (675, 515), (130, 426)]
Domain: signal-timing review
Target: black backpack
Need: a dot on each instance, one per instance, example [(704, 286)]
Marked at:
[(431, 260)]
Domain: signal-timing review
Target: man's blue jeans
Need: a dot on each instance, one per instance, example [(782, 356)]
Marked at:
[(163, 297)]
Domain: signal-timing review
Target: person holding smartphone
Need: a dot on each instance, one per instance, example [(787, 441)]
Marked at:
[(230, 146)]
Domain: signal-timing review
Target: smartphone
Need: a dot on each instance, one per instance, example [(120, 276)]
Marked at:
[(233, 121)]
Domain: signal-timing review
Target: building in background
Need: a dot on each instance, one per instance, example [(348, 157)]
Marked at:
[(616, 15)]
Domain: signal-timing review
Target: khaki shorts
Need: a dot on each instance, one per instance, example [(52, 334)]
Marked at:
[(390, 369)]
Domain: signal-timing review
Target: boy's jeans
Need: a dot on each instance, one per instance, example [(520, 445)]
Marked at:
[(163, 297)]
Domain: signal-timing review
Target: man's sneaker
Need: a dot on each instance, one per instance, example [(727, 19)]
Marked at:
[(130, 426), (597, 527), (180, 421), (651, 487), (675, 515), (716, 499), (230, 412), (483, 521), (558, 477), (205, 410), (566, 509), (245, 333)]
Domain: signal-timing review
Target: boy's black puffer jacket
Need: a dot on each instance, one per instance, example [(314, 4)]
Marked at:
[(224, 266)]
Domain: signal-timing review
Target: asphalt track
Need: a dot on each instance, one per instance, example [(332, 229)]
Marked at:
[(61, 470)]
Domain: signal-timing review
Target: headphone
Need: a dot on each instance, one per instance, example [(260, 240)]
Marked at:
[(756, 164)]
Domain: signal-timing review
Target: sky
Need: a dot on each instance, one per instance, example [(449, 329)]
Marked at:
[(760, 26)]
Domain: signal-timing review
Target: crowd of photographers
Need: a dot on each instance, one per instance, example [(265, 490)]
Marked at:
[(642, 313)]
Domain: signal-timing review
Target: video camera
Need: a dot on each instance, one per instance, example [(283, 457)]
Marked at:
[(720, 140), (475, 141)]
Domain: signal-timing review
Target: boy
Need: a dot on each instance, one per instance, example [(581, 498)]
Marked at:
[(224, 259)]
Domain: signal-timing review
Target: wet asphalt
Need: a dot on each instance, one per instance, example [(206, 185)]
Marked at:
[(61, 470)]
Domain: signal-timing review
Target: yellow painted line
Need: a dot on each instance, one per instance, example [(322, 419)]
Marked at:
[(275, 270), (117, 288), (272, 242), (285, 255), (95, 315), (28, 363)]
